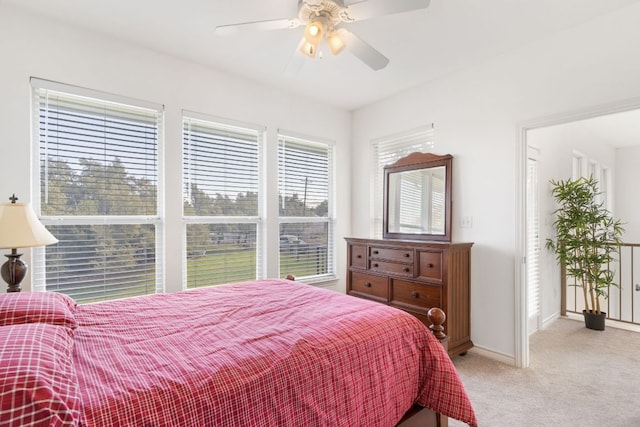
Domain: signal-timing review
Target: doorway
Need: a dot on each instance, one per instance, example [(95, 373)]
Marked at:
[(529, 267)]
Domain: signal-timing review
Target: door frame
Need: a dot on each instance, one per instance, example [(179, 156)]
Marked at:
[(520, 304)]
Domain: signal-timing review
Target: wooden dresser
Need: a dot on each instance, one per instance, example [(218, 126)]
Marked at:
[(415, 276)]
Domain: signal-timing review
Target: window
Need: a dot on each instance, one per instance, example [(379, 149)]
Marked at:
[(594, 170), (305, 192), (388, 150), (222, 201), (605, 191), (578, 165), (97, 160)]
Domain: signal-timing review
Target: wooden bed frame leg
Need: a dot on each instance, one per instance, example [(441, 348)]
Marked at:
[(423, 417), (437, 318)]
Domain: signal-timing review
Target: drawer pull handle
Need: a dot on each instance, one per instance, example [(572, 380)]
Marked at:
[(375, 265), (407, 269), (407, 255), (429, 265), (414, 294), (367, 285), (376, 252), (358, 256)]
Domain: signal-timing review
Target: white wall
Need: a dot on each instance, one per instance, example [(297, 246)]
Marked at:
[(476, 114), (557, 145), (32, 46), (627, 195)]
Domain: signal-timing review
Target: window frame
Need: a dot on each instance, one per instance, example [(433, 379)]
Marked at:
[(330, 219), (220, 123), (578, 165), (157, 220)]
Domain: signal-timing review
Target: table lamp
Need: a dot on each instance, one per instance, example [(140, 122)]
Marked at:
[(19, 228)]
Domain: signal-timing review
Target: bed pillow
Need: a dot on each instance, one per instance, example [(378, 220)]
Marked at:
[(38, 384), (37, 307)]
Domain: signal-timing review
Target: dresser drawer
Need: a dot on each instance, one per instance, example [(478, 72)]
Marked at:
[(358, 256), (430, 265), (392, 268), (400, 255), (406, 293), (369, 284)]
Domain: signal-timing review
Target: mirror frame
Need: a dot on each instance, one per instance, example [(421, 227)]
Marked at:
[(415, 161)]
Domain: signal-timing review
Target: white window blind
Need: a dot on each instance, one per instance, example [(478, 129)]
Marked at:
[(305, 191), (533, 240), (389, 150), (410, 204), (99, 187), (416, 213), (222, 202)]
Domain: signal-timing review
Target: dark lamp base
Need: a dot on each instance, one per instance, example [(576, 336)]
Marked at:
[(13, 271)]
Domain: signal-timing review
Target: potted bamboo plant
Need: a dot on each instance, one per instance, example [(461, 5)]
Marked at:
[(586, 242)]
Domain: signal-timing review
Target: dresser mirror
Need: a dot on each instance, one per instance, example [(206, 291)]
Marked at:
[(417, 198)]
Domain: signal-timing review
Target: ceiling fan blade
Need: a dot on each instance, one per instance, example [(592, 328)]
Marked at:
[(296, 62), (363, 50), (276, 24), (367, 9)]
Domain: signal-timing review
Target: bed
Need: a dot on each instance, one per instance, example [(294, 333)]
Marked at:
[(261, 353)]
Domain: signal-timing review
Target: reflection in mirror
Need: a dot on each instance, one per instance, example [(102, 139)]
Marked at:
[(417, 198), (416, 201)]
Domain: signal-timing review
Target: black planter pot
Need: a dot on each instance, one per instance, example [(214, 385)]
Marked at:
[(594, 321)]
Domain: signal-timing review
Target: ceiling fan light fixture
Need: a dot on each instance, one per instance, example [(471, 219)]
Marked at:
[(313, 32), (336, 42), (324, 19)]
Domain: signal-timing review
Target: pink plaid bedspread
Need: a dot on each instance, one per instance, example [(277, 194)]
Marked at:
[(263, 353)]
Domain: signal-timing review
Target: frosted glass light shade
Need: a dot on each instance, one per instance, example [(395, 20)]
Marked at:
[(313, 32), (335, 42), (308, 49)]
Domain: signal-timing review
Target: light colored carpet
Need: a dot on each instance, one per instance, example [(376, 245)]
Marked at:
[(577, 377)]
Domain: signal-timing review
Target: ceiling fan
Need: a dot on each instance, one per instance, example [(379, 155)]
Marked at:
[(326, 19)]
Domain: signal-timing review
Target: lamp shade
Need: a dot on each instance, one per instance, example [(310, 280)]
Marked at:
[(20, 227)]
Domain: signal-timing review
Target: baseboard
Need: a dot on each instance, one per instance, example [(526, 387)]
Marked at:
[(493, 355), (548, 320)]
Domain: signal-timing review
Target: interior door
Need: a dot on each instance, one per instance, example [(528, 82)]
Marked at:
[(533, 240)]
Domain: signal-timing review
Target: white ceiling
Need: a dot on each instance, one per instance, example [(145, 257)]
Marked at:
[(422, 45), (618, 130)]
